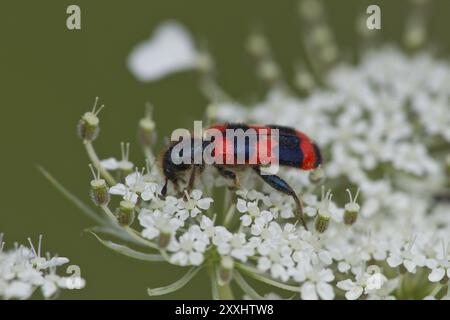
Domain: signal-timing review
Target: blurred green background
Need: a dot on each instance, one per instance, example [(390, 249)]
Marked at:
[(50, 76)]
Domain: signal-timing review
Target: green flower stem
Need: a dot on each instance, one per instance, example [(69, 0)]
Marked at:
[(109, 214), (229, 215), (96, 162), (246, 287), (219, 291), (225, 292)]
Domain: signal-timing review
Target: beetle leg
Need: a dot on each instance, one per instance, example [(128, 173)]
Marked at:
[(228, 174), (282, 186)]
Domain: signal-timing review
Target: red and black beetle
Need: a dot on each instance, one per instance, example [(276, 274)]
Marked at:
[(295, 149)]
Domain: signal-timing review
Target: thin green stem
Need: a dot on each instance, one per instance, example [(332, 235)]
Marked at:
[(71, 197), (436, 290), (248, 289), (255, 274), (109, 214), (96, 162), (229, 215)]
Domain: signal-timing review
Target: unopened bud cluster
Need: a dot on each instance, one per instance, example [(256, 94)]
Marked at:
[(147, 128), (351, 209), (99, 189), (226, 270)]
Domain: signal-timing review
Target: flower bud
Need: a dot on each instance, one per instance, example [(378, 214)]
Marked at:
[(269, 71), (257, 45), (99, 189), (415, 36), (310, 10), (321, 35), (323, 214), (88, 126), (351, 213), (322, 222), (226, 270), (99, 192), (147, 127), (351, 209), (316, 176), (125, 213)]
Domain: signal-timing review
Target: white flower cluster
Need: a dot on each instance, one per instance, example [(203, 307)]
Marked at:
[(384, 130), (23, 270), (263, 233), (384, 127)]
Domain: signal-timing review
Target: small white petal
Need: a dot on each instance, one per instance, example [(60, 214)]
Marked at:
[(308, 291), (150, 233), (346, 285), (195, 212), (354, 293), (394, 261), (325, 291), (119, 189), (246, 220), (436, 275), (195, 258), (410, 266), (196, 194), (204, 203), (241, 206), (132, 179), (343, 267), (110, 164), (49, 289)]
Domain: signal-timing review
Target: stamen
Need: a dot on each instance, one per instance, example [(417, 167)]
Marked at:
[(357, 194), (148, 110), (125, 151), (39, 245), (32, 247), (95, 105)]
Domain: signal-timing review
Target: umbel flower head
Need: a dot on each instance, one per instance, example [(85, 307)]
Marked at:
[(24, 270), (383, 127)]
